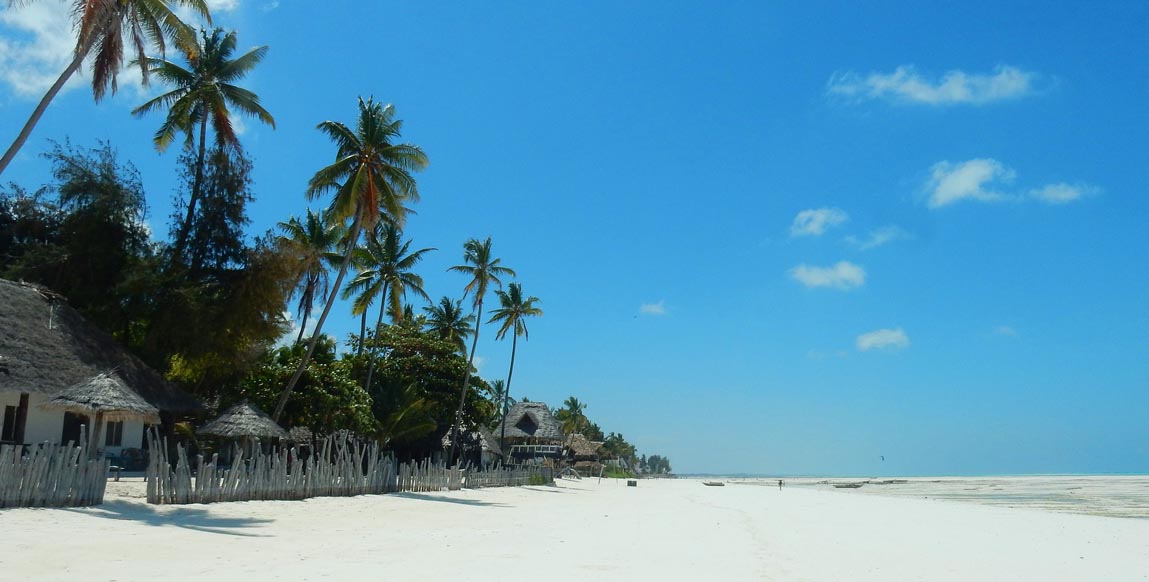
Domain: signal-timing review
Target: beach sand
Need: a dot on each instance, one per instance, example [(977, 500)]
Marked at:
[(577, 530)]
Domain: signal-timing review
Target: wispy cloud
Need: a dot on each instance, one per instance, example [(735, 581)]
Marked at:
[(843, 275), (883, 339), (1062, 193), (906, 85), (653, 308), (970, 180), (1005, 330), (987, 180), (287, 339), (816, 221), (878, 237)]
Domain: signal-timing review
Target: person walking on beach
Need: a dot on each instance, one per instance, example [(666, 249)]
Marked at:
[(779, 484)]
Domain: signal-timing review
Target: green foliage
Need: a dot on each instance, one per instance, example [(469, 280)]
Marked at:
[(536, 480), (326, 398), (614, 472), (446, 320), (414, 365)]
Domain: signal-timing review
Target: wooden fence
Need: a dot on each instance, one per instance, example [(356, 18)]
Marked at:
[(340, 468), (51, 476)]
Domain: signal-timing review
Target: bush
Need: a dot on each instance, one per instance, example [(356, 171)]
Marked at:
[(536, 480)]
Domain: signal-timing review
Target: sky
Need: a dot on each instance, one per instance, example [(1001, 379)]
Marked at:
[(768, 238)]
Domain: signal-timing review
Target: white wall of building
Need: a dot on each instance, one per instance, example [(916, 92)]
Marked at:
[(48, 425)]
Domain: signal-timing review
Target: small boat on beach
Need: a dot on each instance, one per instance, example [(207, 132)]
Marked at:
[(714, 483), (847, 485)]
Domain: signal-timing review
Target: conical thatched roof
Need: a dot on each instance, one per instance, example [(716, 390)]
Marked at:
[(243, 420), (46, 347), (104, 393), (531, 420)]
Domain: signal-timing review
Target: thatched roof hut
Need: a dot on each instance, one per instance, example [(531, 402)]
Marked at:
[(583, 449), (107, 395), (531, 421), (243, 420), (47, 347)]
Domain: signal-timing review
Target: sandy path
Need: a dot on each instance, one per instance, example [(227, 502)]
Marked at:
[(665, 530)]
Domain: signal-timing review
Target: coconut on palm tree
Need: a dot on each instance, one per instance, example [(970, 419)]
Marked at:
[(446, 320), (310, 244), (103, 29), (512, 313), (204, 93), (372, 180), (484, 269)]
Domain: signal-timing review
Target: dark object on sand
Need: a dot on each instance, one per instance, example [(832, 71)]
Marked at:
[(631, 483), (714, 483), (847, 485)]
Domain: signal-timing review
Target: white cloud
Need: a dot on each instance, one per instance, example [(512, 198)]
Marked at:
[(653, 308), (815, 221), (878, 237), (1005, 330), (478, 362), (288, 338), (36, 44), (1062, 193), (222, 5), (843, 275), (905, 85), (969, 180), (881, 339)]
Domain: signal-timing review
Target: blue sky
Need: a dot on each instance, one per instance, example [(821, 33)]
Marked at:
[(768, 239)]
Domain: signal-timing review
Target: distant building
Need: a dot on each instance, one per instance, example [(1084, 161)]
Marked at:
[(45, 347), (532, 433), (583, 453)]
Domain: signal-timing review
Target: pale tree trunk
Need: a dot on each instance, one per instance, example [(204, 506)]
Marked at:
[(466, 383), (362, 332), (354, 238), (378, 324), (94, 438), (507, 390), (38, 112)]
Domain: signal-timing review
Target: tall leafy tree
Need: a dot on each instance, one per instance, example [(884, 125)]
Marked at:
[(484, 268), (103, 28), (203, 93), (573, 416), (371, 178), (512, 314), (311, 245), (446, 320), (389, 277)]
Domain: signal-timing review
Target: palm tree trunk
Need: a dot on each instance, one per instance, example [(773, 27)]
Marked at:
[(507, 390), (303, 325), (39, 111), (466, 383), (354, 238), (193, 199), (362, 332), (378, 324)]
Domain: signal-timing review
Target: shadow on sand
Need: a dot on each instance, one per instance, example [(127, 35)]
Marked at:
[(192, 518), (425, 497)]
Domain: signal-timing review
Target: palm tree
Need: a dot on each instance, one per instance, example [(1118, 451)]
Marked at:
[(311, 244), (572, 415), (101, 31), (386, 264), (391, 271), (202, 93), (483, 269), (371, 178), (512, 312), (447, 321)]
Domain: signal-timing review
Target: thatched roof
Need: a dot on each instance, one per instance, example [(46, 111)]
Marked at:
[(46, 347), (531, 420), (104, 393), (243, 420), (480, 436), (582, 446)]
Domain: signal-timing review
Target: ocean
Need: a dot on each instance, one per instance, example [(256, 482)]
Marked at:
[(1124, 496)]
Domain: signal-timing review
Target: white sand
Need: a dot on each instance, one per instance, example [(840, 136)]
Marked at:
[(661, 530)]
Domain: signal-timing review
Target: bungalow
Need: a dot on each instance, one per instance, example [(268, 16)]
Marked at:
[(46, 347), (583, 453), (530, 431)]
